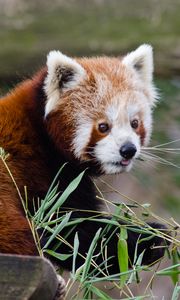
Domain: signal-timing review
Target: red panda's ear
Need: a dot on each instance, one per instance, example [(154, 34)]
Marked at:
[(142, 61), (64, 73)]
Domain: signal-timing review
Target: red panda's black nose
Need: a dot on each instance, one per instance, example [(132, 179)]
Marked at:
[(128, 150)]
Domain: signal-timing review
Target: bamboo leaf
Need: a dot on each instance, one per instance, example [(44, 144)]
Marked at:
[(75, 252), (175, 259), (176, 293), (172, 271), (167, 269), (49, 198), (69, 190), (123, 255), (91, 250), (102, 295), (58, 229), (55, 178), (59, 256)]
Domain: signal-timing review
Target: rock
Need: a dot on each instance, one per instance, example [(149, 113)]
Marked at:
[(29, 278)]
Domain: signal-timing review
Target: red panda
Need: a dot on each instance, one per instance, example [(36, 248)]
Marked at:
[(93, 113)]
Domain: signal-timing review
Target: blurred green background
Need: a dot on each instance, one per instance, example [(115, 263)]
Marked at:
[(29, 29)]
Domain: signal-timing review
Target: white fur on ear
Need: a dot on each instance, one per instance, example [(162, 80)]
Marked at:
[(63, 73), (142, 61)]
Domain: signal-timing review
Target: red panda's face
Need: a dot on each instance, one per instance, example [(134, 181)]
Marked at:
[(98, 110)]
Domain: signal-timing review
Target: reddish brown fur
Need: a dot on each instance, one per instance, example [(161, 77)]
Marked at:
[(117, 75), (63, 136), (18, 131), (96, 135), (22, 135), (109, 67), (21, 113), (141, 132), (15, 234)]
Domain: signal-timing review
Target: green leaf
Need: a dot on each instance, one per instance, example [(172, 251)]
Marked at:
[(75, 252), (171, 271), (102, 295), (55, 178), (123, 255), (47, 202), (123, 233), (176, 293), (3, 154), (58, 255), (91, 250), (58, 229), (148, 238), (106, 221), (175, 259), (146, 205), (49, 198), (69, 190), (140, 258)]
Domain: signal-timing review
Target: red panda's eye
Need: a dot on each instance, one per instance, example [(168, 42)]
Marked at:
[(103, 127), (134, 124)]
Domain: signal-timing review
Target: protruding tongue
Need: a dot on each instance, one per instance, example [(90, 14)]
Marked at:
[(125, 162)]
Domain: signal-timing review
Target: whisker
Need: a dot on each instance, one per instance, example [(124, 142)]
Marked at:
[(168, 143), (163, 150), (150, 157), (143, 162), (159, 159)]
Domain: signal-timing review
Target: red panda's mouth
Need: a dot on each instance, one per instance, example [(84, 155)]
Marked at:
[(122, 163), (125, 162)]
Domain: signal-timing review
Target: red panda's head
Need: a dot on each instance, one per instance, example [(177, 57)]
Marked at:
[(100, 109)]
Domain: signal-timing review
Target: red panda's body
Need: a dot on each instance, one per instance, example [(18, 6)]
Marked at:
[(19, 136), (70, 112)]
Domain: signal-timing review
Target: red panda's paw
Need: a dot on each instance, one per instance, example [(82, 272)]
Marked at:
[(61, 290), (152, 244)]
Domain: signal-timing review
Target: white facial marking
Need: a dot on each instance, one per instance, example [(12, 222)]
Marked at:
[(57, 60), (133, 111), (118, 104), (107, 150), (81, 138), (123, 108)]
